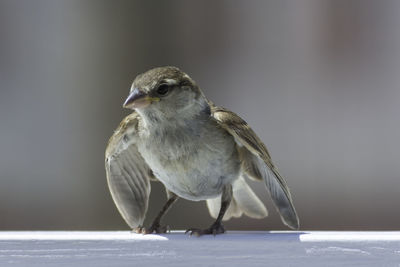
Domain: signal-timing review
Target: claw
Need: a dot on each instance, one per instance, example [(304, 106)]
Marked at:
[(158, 229), (213, 230), (194, 231), (138, 230)]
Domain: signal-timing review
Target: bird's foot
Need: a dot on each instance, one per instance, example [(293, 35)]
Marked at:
[(154, 228), (215, 229)]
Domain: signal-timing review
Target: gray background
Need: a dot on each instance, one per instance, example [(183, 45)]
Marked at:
[(317, 80)]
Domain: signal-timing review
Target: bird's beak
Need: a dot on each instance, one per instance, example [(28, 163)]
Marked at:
[(138, 99)]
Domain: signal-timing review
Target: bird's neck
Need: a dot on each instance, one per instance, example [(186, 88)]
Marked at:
[(193, 115)]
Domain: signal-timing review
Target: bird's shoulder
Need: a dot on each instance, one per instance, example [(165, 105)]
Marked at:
[(240, 130), (127, 129)]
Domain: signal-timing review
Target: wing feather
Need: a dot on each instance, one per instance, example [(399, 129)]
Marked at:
[(257, 162), (128, 175)]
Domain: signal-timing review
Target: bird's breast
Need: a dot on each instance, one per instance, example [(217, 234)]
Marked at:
[(194, 166)]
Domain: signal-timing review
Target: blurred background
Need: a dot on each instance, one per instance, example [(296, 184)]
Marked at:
[(319, 81)]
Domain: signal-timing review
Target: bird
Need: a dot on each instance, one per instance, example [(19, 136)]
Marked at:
[(197, 150)]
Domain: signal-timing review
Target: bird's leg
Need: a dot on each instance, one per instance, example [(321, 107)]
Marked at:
[(156, 227), (216, 227)]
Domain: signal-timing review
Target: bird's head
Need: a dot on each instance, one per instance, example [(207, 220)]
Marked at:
[(164, 92)]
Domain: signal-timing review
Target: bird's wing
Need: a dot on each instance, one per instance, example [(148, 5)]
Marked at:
[(257, 162), (128, 175)]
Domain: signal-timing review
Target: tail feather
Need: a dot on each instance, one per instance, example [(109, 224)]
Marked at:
[(214, 205), (248, 201), (244, 201)]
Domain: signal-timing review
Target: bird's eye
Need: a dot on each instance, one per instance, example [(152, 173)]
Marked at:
[(163, 89)]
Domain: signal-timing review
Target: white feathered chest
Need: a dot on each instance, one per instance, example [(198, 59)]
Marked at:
[(192, 160)]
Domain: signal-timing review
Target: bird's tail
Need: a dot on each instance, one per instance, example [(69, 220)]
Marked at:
[(244, 201)]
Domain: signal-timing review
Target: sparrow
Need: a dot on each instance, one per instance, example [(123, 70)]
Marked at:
[(197, 150)]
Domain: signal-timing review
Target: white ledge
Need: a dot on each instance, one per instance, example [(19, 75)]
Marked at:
[(235, 248), (302, 236)]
